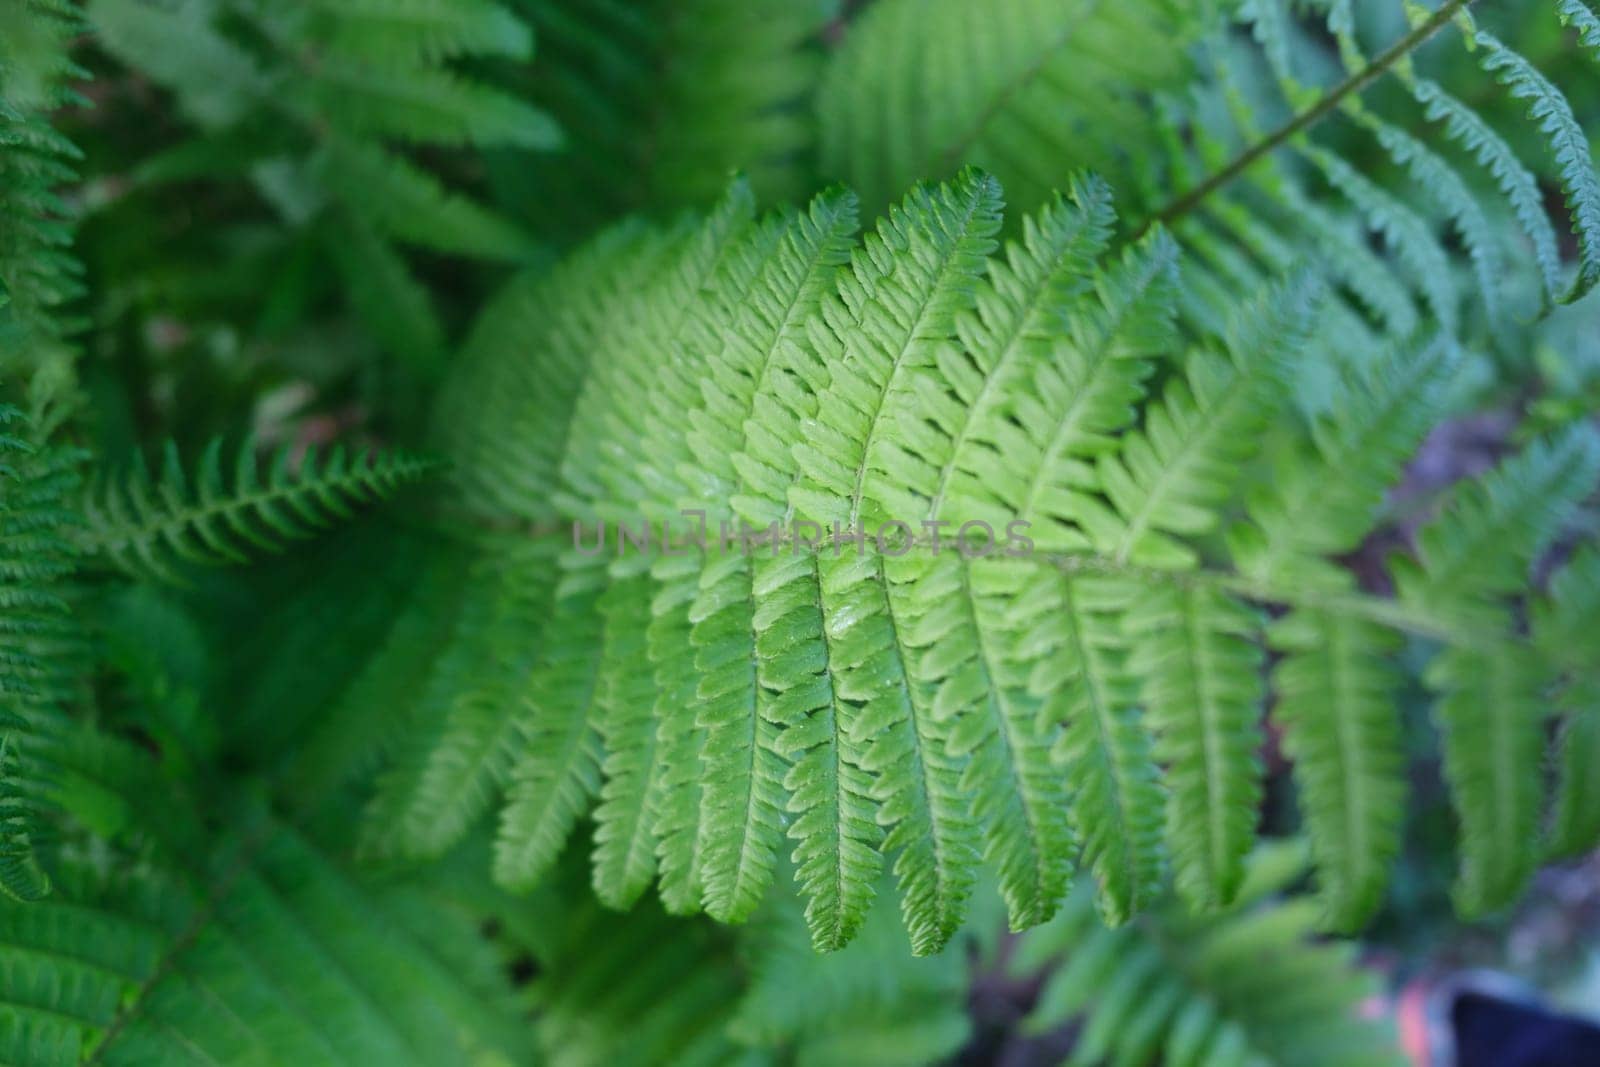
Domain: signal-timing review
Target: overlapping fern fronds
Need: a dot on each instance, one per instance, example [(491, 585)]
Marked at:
[(323, 105), (251, 943), (708, 995), (661, 100), (1027, 89), (1239, 186), (1250, 985), (883, 702)]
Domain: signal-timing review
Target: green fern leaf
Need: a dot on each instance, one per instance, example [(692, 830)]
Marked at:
[(1081, 675), (918, 707), (1170, 478), (1336, 694), (1410, 237), (388, 296), (1030, 90), (681, 739), (428, 106), (624, 857), (1321, 505), (1244, 987), (388, 697), (558, 769), (404, 32), (505, 422), (1565, 630), (1446, 189), (292, 953), (872, 1001), (1201, 677), (902, 294), (1516, 182), (40, 641), (1492, 713), (1493, 529), (152, 527), (828, 790), (403, 200), (1069, 395), (661, 101), (1569, 147), (1580, 15), (953, 620), (1491, 705), (459, 751)]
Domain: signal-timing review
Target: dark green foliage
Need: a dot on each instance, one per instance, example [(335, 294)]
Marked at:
[(997, 517)]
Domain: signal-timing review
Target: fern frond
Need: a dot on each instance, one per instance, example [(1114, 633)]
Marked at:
[(1492, 713), (40, 641), (739, 459), (388, 297), (399, 198), (245, 942), (1069, 395), (1196, 655), (353, 736), (558, 769), (504, 418), (1081, 676), (1494, 528), (150, 526), (1018, 794), (1336, 691), (216, 80), (1564, 630), (678, 816), (1568, 146), (1515, 181), (1450, 195), (403, 32), (36, 69), (428, 107), (900, 296), (662, 100), (450, 760), (1575, 827), (872, 1000), (634, 989), (1171, 477), (593, 486), (875, 703), (309, 102), (957, 617), (1492, 702), (1250, 985), (1406, 232), (624, 836), (117, 972), (1322, 501), (1580, 15), (1409, 236), (39, 276), (1027, 89)]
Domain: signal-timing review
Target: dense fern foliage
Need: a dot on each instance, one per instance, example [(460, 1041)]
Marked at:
[(711, 531)]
